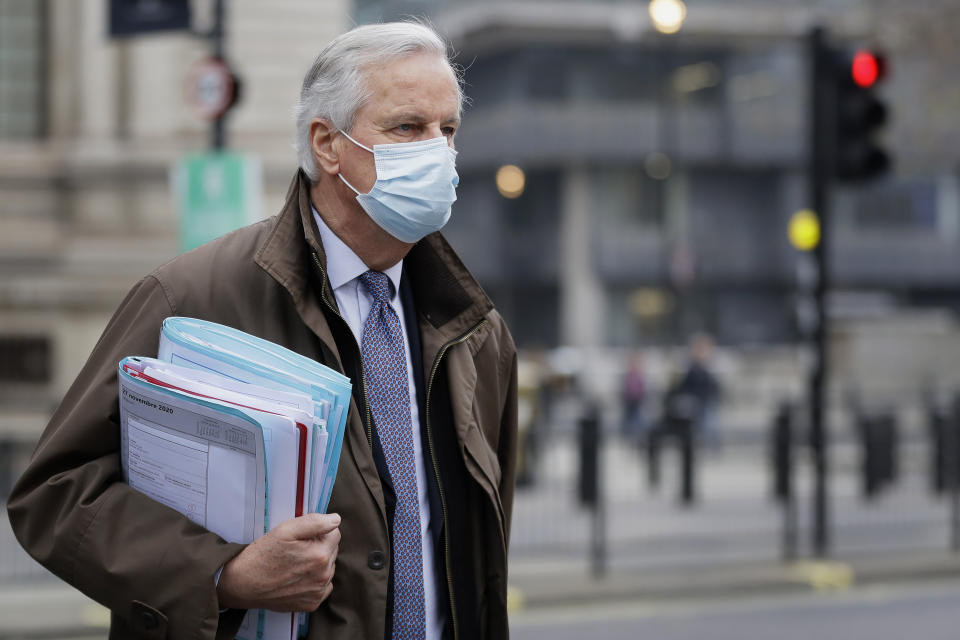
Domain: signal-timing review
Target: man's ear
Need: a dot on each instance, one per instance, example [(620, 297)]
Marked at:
[(322, 135)]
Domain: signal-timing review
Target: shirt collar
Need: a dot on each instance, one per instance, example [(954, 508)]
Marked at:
[(345, 266)]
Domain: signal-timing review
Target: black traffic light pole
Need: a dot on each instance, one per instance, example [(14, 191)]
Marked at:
[(845, 115), (821, 155), (218, 137)]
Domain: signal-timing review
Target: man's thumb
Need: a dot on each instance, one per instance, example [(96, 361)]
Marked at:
[(313, 525)]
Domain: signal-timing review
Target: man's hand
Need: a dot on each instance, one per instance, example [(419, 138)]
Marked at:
[(288, 569)]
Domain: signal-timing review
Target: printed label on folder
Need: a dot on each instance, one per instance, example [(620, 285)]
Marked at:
[(170, 469)]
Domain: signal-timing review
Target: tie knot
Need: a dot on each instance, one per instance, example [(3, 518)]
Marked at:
[(378, 284)]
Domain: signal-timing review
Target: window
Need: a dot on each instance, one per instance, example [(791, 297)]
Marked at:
[(908, 206), (22, 68), (24, 360), (531, 227), (625, 197)]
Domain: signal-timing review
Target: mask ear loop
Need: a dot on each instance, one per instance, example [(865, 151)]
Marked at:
[(340, 175), (352, 188), (354, 141)]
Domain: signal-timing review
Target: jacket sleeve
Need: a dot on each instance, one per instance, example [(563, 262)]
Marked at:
[(71, 510)]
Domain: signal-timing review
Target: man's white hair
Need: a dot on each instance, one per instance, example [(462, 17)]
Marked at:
[(335, 87)]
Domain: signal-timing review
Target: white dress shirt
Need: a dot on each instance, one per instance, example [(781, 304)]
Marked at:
[(344, 269)]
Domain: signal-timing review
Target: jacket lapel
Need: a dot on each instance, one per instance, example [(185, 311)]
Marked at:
[(452, 309)]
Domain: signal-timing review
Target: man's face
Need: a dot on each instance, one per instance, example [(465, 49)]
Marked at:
[(412, 98)]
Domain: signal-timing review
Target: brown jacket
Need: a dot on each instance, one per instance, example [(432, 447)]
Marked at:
[(152, 567)]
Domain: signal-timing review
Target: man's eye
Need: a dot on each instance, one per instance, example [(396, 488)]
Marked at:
[(449, 131), (405, 128)]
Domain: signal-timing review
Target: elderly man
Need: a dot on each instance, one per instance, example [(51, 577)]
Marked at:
[(352, 273)]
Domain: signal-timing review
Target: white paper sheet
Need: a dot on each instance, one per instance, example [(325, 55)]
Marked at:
[(170, 469)]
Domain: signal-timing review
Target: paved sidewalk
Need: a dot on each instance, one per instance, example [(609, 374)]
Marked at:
[(574, 585), (49, 610), (727, 544), (56, 611)]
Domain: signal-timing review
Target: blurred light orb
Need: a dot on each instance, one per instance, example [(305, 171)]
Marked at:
[(695, 77), (650, 303), (753, 86), (658, 165), (804, 230), (511, 181), (667, 15), (865, 69)]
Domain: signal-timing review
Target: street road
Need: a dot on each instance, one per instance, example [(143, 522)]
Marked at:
[(930, 611)]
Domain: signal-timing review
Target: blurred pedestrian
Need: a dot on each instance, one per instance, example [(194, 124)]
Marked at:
[(633, 427), (700, 382)]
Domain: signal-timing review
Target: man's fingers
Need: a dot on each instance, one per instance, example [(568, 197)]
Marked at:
[(326, 567), (311, 525)]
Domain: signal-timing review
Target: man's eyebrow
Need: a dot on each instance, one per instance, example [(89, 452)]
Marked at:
[(406, 116), (413, 117)]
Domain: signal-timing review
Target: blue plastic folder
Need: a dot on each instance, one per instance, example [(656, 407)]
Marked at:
[(221, 349)]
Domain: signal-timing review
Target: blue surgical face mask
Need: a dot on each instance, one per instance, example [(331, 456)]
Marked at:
[(415, 187)]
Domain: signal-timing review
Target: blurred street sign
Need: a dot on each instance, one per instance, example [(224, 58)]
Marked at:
[(215, 194), (210, 88), (131, 17)]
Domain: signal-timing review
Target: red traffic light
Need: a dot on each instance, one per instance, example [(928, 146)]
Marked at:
[(867, 68)]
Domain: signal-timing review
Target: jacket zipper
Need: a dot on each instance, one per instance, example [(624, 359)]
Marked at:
[(436, 468), (368, 423)]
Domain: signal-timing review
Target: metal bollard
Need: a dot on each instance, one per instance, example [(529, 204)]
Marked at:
[(879, 459), (868, 475), (589, 457), (781, 453), (590, 489), (688, 457), (888, 448), (782, 459), (939, 423), (654, 440), (952, 460)]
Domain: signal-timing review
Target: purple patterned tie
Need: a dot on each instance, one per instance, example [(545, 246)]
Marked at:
[(385, 371)]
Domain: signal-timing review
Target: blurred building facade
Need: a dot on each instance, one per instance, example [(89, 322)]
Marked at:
[(661, 170), (89, 130)]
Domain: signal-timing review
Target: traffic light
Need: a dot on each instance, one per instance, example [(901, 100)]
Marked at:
[(859, 115)]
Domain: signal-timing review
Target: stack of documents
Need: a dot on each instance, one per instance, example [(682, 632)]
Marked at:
[(236, 433)]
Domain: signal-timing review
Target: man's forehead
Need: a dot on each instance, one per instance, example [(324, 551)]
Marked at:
[(414, 89), (413, 68)]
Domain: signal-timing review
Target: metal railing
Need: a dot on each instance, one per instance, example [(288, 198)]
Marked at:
[(726, 510)]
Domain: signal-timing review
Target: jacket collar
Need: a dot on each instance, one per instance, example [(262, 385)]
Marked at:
[(447, 296)]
